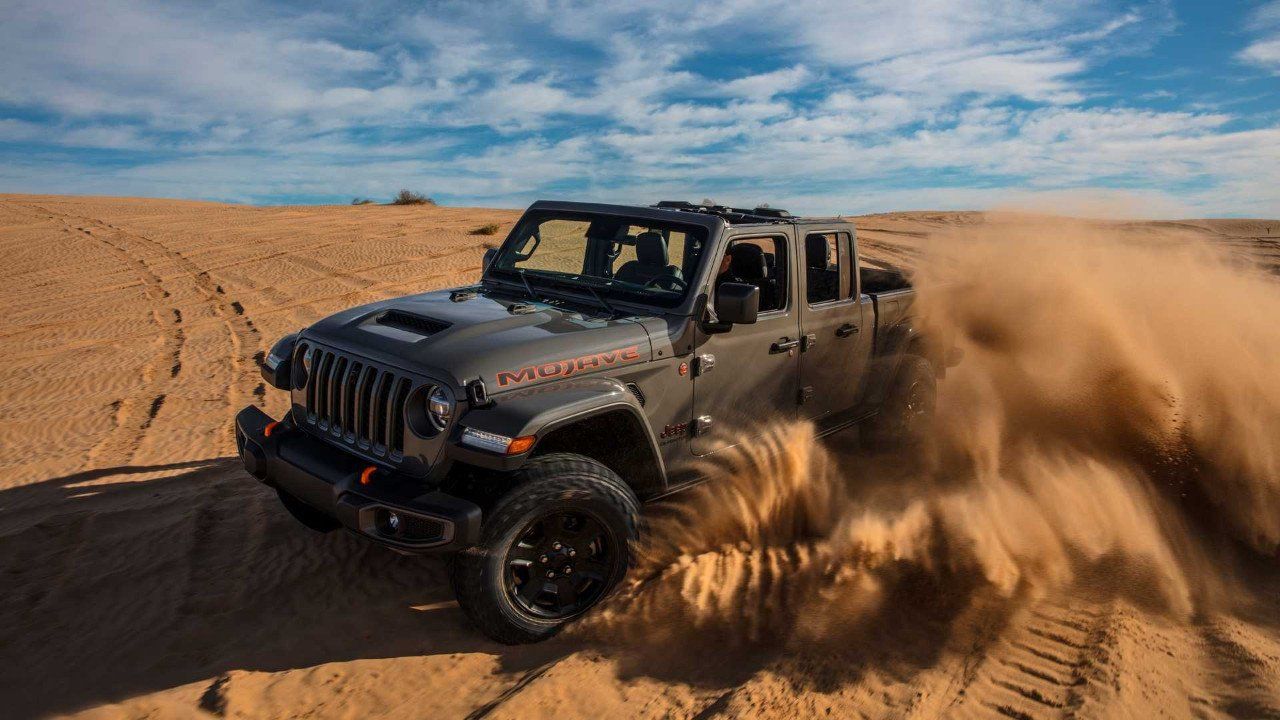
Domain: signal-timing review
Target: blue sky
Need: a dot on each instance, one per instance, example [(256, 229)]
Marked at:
[(1151, 108)]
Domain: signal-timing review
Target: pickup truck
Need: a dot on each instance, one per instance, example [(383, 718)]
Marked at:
[(520, 423)]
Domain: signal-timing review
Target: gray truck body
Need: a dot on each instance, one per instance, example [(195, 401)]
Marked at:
[(642, 389)]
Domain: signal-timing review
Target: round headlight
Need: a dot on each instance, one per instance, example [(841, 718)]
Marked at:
[(440, 408)]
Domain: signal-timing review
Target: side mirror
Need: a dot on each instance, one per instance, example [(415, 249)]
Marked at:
[(737, 303), (489, 255)]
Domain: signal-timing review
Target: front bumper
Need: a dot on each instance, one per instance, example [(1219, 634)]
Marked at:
[(390, 510)]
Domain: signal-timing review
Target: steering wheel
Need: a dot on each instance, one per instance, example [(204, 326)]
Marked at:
[(676, 283)]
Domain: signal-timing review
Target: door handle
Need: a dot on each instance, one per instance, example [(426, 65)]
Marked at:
[(784, 345), (846, 330)]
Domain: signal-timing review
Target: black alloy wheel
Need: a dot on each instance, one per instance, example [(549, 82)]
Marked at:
[(561, 565), (550, 549)]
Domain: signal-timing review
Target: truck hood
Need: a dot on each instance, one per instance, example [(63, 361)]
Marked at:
[(459, 335)]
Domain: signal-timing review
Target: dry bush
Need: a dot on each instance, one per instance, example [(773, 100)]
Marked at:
[(409, 197), (490, 229), (361, 201)]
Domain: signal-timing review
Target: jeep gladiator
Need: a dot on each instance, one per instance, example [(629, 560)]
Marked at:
[(521, 422)]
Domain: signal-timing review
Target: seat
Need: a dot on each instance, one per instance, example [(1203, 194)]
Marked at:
[(650, 262), (823, 282), (748, 264)]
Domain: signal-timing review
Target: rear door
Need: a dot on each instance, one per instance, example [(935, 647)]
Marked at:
[(836, 334), (750, 374)]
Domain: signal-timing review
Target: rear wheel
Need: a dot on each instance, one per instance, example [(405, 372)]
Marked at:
[(908, 409), (551, 548)]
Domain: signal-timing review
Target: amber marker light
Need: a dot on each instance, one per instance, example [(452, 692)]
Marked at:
[(521, 444), (366, 477), (271, 426)]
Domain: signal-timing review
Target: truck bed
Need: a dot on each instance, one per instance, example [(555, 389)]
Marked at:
[(891, 296)]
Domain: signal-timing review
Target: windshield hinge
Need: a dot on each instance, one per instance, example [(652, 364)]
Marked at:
[(703, 364)]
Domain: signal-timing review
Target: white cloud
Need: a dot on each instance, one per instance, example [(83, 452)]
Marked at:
[(1264, 51), (819, 99), (765, 85)]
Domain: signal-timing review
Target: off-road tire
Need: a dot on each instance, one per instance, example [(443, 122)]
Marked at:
[(899, 423), (557, 481)]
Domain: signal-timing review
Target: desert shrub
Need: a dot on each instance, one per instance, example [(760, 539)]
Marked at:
[(409, 197), (490, 229), (361, 201)]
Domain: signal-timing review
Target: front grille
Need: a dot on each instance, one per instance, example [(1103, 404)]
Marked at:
[(361, 404)]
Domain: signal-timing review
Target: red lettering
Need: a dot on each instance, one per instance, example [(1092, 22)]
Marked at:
[(524, 374), (567, 367)]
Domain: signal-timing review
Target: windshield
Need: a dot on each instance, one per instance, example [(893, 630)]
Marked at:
[(623, 258)]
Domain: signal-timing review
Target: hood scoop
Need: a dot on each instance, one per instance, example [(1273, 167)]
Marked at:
[(412, 323)]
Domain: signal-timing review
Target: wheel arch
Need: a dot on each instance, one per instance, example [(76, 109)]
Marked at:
[(598, 418), (616, 436)]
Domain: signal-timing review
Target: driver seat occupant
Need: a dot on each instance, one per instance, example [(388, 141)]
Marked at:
[(747, 263), (650, 262)]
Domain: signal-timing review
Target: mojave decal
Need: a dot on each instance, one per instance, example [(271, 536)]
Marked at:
[(570, 366)]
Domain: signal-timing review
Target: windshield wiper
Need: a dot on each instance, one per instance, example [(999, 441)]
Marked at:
[(581, 283), (600, 299), (532, 295)]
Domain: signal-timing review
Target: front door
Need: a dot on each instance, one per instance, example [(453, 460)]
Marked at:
[(836, 345), (749, 375)]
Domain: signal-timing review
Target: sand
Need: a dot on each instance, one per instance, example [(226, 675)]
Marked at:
[(145, 575)]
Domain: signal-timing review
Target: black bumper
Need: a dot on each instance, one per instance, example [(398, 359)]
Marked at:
[(390, 510)]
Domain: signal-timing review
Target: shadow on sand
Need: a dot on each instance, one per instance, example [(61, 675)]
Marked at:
[(116, 586)]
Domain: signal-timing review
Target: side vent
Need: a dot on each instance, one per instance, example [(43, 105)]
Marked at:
[(412, 323), (635, 390)]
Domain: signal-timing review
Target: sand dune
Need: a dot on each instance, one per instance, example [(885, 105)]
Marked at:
[(145, 575)]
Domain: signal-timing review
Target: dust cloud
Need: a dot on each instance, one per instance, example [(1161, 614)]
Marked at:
[(1114, 416)]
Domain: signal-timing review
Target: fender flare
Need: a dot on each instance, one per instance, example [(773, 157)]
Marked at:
[(542, 410)]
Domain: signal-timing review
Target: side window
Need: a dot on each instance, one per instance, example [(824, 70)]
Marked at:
[(827, 262), (761, 262)]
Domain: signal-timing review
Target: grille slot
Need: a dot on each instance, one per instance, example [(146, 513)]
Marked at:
[(355, 402), (413, 323)]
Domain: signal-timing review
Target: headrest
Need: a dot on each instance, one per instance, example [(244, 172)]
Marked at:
[(748, 262), (651, 248), (816, 252)]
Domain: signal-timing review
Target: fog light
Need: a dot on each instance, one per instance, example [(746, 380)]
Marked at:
[(386, 521)]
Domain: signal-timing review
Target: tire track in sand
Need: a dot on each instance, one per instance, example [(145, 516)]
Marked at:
[(243, 335), (1041, 666), (133, 414)]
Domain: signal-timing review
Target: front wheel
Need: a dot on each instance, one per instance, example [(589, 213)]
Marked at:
[(551, 548)]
